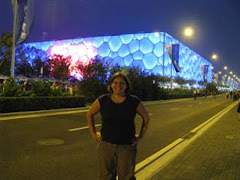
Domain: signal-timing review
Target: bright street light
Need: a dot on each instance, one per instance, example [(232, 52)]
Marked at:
[(214, 56), (225, 67), (188, 31)]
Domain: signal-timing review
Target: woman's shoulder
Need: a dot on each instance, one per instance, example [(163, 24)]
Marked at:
[(103, 97), (134, 98)]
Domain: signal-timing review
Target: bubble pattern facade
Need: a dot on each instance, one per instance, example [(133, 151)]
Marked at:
[(145, 50)]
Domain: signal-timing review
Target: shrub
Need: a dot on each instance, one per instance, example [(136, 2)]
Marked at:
[(15, 104), (11, 88), (41, 88)]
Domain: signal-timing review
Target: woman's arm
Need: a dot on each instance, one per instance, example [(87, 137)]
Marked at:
[(95, 108), (145, 121), (238, 111)]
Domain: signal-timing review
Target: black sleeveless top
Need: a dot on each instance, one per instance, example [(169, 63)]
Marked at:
[(118, 125)]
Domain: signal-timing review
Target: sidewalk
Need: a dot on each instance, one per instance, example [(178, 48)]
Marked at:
[(214, 155)]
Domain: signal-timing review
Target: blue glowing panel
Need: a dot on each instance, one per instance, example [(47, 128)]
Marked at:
[(160, 61), (115, 43), (158, 70), (126, 38), (146, 35), (138, 55), (113, 55), (137, 63), (104, 50), (134, 46), (150, 61), (167, 71), (158, 49), (74, 41), (139, 36), (106, 38), (167, 59), (97, 41), (154, 38), (128, 60), (40, 46), (146, 46), (46, 45), (117, 61), (123, 51)]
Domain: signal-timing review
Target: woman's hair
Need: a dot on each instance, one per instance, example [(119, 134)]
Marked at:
[(117, 75)]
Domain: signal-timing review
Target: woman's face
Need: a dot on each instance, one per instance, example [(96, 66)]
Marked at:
[(119, 86)]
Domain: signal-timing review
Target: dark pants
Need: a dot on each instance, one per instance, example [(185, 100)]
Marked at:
[(116, 160)]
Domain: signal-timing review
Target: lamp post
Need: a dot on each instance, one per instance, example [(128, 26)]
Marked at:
[(214, 57), (14, 38)]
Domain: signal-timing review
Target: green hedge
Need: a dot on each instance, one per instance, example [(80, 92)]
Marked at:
[(16, 104)]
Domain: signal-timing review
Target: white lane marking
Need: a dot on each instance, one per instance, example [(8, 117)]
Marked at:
[(151, 158), (81, 128), (40, 115), (174, 109)]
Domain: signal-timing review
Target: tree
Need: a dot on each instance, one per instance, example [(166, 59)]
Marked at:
[(60, 67), (180, 80), (39, 61), (24, 68), (5, 53), (211, 87), (135, 77), (94, 80)]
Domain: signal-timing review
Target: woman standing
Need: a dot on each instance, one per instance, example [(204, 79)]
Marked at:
[(117, 141)]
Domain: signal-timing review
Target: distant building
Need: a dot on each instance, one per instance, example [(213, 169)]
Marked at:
[(146, 50)]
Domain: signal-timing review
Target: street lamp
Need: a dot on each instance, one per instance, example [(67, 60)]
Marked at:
[(225, 67), (188, 31), (214, 57)]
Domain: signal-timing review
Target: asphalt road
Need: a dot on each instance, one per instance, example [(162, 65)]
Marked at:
[(50, 147)]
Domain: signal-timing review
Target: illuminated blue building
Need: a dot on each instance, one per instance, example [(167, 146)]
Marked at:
[(146, 50)]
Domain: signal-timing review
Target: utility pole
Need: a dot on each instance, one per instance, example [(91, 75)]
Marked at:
[(14, 37)]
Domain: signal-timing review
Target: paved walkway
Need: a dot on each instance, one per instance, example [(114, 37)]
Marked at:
[(214, 155)]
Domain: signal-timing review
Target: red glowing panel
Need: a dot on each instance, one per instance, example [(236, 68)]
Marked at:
[(79, 53), (92, 52), (81, 50)]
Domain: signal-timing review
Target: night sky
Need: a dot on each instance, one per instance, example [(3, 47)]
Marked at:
[(216, 23)]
